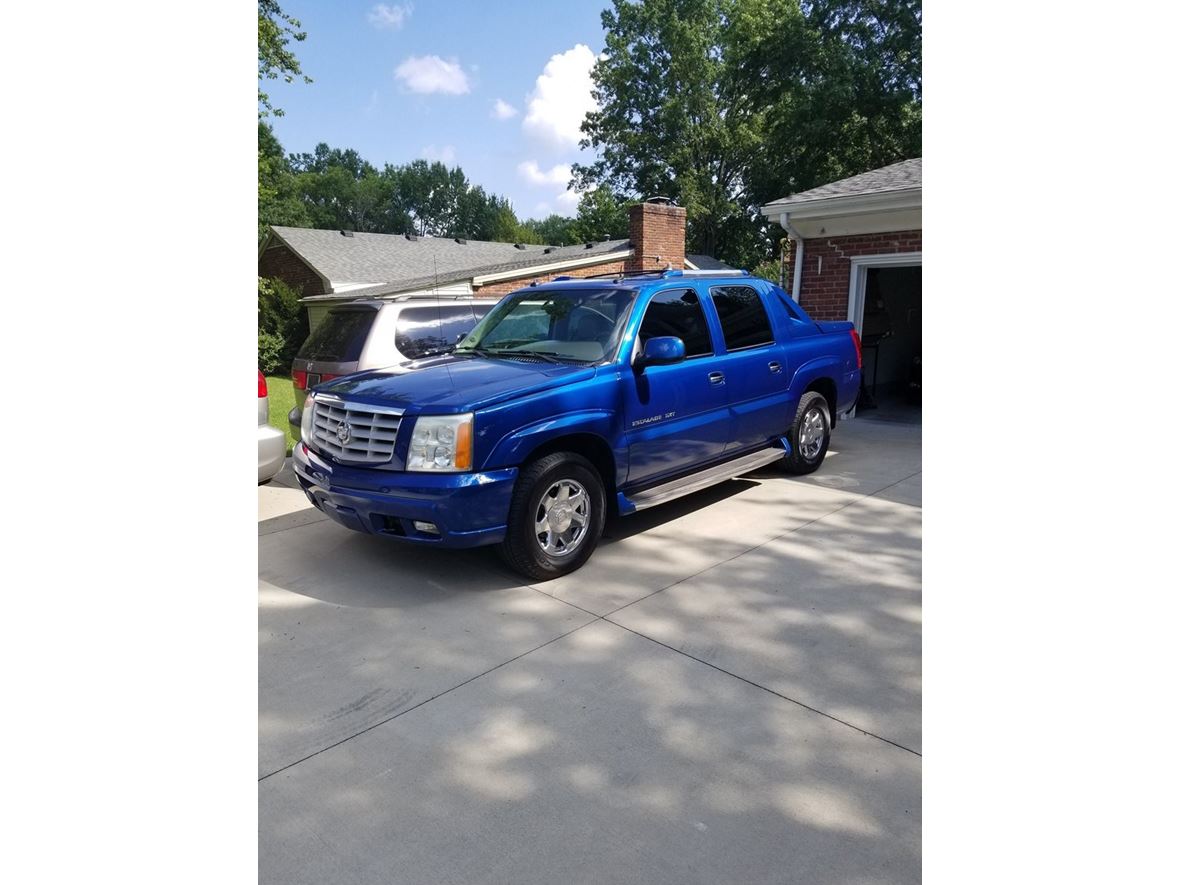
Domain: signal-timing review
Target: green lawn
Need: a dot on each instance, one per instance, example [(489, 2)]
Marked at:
[(280, 397)]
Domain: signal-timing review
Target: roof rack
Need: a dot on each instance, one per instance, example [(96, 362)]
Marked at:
[(706, 273), (433, 296), (620, 274), (666, 273)]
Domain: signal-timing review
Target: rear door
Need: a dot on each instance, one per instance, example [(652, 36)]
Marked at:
[(676, 416), (754, 366)]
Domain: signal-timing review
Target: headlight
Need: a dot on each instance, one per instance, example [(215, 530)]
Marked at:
[(442, 443), (305, 423)]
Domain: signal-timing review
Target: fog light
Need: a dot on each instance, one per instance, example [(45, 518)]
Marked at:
[(428, 527)]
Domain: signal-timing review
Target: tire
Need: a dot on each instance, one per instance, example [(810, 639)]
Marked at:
[(545, 540), (811, 417)]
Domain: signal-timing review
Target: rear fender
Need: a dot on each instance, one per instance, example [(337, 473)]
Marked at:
[(827, 367)]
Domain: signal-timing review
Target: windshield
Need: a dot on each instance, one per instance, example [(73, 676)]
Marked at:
[(575, 325)]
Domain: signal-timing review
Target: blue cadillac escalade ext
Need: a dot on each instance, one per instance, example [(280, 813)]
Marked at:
[(576, 397)]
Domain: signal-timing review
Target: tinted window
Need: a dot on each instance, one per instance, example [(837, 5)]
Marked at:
[(678, 314), (423, 331), (743, 317), (340, 337)]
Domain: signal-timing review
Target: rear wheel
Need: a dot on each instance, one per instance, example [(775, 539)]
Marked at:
[(556, 518), (809, 435)]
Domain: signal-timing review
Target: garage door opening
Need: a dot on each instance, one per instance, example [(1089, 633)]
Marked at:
[(891, 332)]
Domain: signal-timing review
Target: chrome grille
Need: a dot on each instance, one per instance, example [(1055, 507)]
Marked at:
[(372, 430)]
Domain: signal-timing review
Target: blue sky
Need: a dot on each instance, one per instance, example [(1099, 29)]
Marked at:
[(496, 87)]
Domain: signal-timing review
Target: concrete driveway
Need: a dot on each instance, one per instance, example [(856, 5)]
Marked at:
[(729, 692)]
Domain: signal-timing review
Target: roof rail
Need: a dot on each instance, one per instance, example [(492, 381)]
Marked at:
[(706, 273), (620, 274), (413, 296)]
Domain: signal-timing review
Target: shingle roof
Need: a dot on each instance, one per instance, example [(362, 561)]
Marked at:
[(400, 264), (906, 175), (706, 262)]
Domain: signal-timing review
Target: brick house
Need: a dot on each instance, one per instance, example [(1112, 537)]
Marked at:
[(857, 255), (329, 267)]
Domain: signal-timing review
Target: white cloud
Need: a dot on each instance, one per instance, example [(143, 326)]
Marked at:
[(561, 98), (444, 154), (429, 73), (392, 17), (502, 110), (568, 200), (534, 174)]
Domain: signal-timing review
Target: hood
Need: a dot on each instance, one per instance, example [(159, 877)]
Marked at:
[(450, 384)]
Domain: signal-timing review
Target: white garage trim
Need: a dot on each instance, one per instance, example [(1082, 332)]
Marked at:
[(858, 275)]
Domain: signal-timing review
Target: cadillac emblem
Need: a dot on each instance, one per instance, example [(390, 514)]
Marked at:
[(343, 433)]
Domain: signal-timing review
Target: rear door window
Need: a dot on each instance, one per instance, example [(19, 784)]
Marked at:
[(339, 338), (744, 321), (424, 331), (678, 314)]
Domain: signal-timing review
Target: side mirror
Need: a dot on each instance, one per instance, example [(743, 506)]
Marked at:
[(661, 351), (460, 337)]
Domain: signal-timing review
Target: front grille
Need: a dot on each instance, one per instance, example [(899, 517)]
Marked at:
[(370, 436)]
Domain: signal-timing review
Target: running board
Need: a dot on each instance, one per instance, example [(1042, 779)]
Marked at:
[(694, 482)]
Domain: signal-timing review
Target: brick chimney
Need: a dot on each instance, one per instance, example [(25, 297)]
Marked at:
[(657, 233)]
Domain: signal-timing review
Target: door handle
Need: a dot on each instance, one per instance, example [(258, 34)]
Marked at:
[(716, 378), (775, 366)]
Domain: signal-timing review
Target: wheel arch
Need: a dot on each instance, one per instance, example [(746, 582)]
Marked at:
[(590, 446), (825, 387)]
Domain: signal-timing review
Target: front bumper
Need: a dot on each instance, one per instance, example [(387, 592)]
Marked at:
[(469, 509)]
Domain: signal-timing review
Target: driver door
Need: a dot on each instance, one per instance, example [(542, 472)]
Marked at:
[(677, 416)]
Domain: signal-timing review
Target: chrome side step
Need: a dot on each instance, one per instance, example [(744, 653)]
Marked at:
[(694, 482)]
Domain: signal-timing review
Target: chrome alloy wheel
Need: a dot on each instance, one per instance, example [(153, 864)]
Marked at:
[(563, 515), (811, 434)]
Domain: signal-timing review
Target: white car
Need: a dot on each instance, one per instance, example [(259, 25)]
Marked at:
[(272, 443)]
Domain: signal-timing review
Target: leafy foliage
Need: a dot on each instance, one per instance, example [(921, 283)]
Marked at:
[(602, 215), (278, 197), (726, 104), (336, 189), (276, 30), (282, 325), (270, 354)]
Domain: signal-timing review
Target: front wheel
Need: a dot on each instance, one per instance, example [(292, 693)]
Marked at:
[(556, 518), (809, 435)]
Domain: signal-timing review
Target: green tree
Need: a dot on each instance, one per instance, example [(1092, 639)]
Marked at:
[(278, 196), (554, 230), (846, 95), (675, 118), (282, 325), (725, 104), (602, 215), (276, 30)]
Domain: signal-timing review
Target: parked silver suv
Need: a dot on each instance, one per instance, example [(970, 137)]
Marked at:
[(379, 334)]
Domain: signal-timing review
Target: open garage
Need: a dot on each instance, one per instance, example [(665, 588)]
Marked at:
[(855, 253)]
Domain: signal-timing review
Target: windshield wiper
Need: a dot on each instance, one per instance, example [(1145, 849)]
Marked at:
[(547, 355), (477, 351)]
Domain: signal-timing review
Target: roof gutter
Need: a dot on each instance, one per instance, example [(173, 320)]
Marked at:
[(784, 219)]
